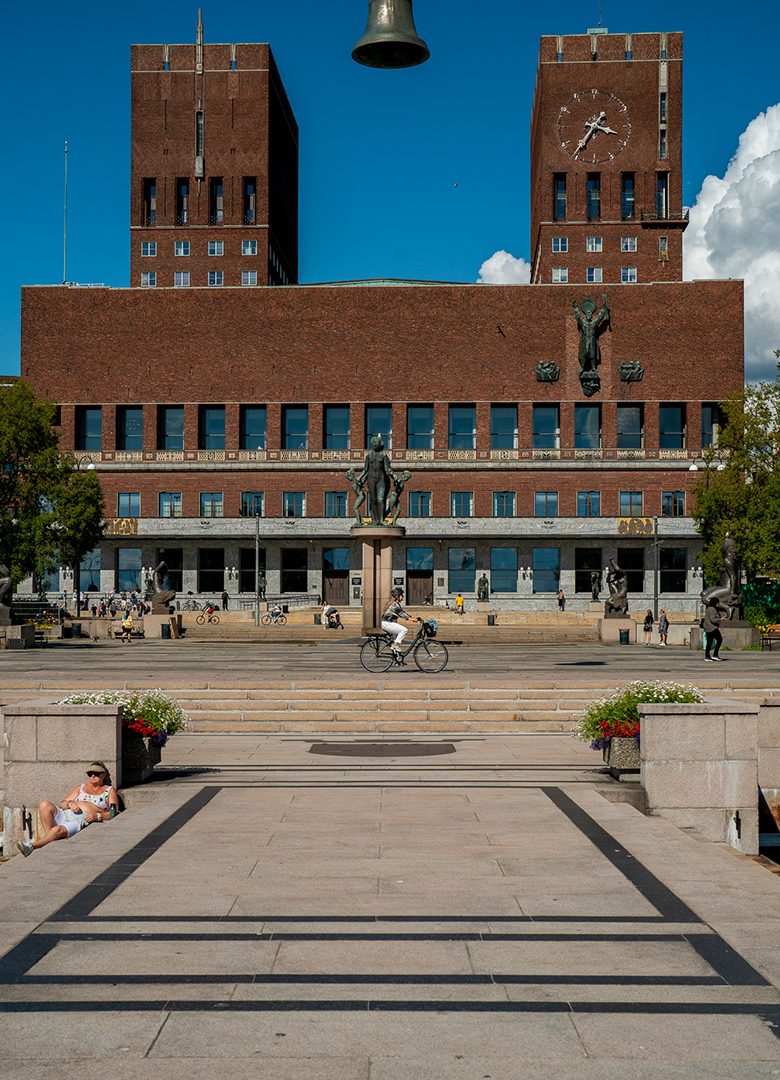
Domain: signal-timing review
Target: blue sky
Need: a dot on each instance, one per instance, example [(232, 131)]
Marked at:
[(420, 173)]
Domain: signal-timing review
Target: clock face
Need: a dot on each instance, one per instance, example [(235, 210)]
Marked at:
[(593, 126)]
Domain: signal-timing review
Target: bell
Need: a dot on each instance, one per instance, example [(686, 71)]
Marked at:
[(390, 40)]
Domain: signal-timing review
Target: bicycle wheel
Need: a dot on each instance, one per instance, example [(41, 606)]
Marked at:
[(214, 619), (430, 656), (200, 620), (265, 620), (282, 620), (376, 655)]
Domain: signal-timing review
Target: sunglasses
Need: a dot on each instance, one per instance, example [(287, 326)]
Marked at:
[(96, 774)]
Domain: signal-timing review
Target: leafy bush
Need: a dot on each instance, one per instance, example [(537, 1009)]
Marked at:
[(757, 615), (151, 714), (617, 716)]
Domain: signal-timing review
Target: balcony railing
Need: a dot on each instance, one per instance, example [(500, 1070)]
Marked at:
[(672, 215)]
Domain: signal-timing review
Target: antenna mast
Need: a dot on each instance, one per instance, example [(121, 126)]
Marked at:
[(65, 220)]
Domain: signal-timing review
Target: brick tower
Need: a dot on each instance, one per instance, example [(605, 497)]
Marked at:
[(606, 151), (214, 167)]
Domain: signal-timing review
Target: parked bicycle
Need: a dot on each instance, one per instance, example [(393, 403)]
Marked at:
[(209, 615), (429, 655), (191, 605)]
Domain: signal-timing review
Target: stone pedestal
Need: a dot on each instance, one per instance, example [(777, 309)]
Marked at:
[(609, 629), (483, 605), (377, 545), (19, 637), (595, 607)]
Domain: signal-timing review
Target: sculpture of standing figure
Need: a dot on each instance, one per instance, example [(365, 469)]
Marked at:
[(162, 598), (595, 584), (616, 605), (394, 502), (360, 494), (728, 590), (5, 595), (591, 325), (378, 477), (483, 588)]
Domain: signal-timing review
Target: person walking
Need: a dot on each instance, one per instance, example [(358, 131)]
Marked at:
[(561, 600), (225, 600), (713, 638), (459, 604), (647, 626), (127, 626), (663, 627)]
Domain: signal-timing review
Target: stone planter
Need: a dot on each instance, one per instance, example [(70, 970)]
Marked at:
[(139, 757), (622, 756)]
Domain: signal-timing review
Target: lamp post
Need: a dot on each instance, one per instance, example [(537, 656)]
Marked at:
[(89, 465), (257, 569)]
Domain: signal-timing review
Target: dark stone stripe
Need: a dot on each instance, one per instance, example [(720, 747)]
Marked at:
[(729, 964), (456, 936)]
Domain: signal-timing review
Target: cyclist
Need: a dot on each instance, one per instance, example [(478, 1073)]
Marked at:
[(393, 612), (276, 611)]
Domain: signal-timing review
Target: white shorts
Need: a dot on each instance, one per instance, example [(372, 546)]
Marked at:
[(399, 632), (73, 822)]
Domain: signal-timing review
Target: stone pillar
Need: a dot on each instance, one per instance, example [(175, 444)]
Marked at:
[(377, 545)]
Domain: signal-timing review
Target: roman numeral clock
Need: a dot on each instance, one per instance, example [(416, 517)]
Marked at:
[(593, 126)]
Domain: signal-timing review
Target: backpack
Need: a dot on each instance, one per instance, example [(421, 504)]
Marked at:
[(431, 628)]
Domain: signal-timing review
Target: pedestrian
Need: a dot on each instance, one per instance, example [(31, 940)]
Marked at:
[(647, 626), (225, 600), (710, 624), (663, 627), (561, 600), (459, 604), (127, 625)]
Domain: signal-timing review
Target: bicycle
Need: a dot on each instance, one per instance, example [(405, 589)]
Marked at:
[(191, 605), (278, 620), (430, 656), (207, 616)]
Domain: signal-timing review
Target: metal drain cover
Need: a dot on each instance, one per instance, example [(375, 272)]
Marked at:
[(381, 749)]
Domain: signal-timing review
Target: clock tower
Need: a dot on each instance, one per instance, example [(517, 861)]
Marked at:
[(606, 149)]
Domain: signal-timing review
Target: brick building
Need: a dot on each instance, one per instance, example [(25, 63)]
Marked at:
[(217, 414)]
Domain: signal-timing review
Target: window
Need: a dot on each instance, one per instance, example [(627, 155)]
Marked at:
[(248, 570), (559, 197), (211, 570), (560, 244), (503, 570), (587, 427), (149, 201), (182, 200), (663, 247), (673, 504), (588, 504), (250, 197), (594, 243), (216, 277), (252, 427), (336, 504), (249, 247), (632, 560), (419, 427), (630, 427), (252, 503), (211, 427), (593, 275), (662, 194), (170, 427), (673, 567), (631, 504), (662, 107), (216, 201), (174, 559), (627, 196), (128, 569), (662, 144), (211, 504), (560, 275), (89, 568), (461, 504), (129, 427), (462, 427), (547, 427), (628, 243), (419, 504), (336, 427), (181, 279), (503, 427), (586, 561), (461, 565), (249, 277), (89, 427), (128, 504), (148, 279), (216, 247), (294, 504), (545, 504), (593, 196), (546, 565), (295, 427), (181, 247), (379, 421), (712, 421), (628, 275), (503, 504), (419, 559), (200, 141), (148, 247), (170, 504), (671, 427), (295, 576), (336, 560)]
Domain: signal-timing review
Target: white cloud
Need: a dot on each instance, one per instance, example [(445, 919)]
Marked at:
[(504, 269), (734, 232)]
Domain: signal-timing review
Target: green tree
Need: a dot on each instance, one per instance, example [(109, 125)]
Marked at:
[(740, 491), (49, 511)]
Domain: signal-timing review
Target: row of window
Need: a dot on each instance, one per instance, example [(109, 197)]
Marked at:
[(506, 569), (420, 504), (378, 420), (560, 207), (216, 201), (594, 275), (181, 248), (595, 244), (181, 278)]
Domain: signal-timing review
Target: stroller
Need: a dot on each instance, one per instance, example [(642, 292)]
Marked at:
[(332, 618)]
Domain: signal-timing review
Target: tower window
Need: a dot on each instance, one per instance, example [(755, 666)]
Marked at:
[(559, 197), (199, 138), (560, 275), (593, 275), (662, 107), (662, 194), (662, 143), (216, 201), (594, 243), (627, 275), (182, 200), (250, 196), (663, 247), (149, 201), (627, 196), (628, 243), (560, 244), (594, 197)]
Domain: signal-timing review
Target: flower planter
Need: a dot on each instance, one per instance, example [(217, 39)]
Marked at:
[(622, 756), (139, 757)]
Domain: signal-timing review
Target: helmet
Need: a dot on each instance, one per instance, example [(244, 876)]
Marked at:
[(397, 591)]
